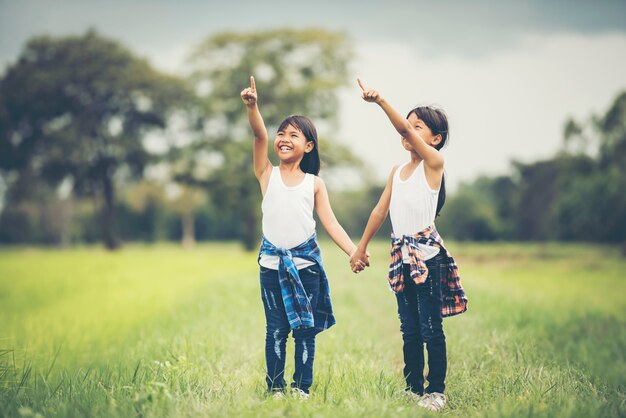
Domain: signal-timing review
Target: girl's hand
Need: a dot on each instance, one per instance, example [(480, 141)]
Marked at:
[(359, 260), (369, 95), (248, 95)]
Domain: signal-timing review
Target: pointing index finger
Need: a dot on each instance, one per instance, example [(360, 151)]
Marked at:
[(360, 84), (252, 85)]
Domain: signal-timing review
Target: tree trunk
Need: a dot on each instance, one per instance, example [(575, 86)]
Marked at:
[(67, 214), (189, 236), (250, 239), (109, 233)]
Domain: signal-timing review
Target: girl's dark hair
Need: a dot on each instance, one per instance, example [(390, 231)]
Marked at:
[(437, 122), (311, 161)]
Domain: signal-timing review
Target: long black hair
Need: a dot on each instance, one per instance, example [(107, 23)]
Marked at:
[(311, 161), (437, 121)]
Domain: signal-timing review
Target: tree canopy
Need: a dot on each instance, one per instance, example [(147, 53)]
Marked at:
[(77, 108)]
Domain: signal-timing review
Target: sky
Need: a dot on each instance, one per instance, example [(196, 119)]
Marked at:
[(508, 73)]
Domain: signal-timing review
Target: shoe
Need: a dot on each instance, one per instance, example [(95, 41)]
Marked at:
[(278, 395), (433, 401), (411, 396), (299, 394)]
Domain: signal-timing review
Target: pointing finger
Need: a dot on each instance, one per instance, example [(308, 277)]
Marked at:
[(360, 84), (252, 85)]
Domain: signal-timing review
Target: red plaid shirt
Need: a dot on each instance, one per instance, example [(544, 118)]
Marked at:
[(454, 299)]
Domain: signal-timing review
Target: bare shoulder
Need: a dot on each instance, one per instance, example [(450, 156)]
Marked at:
[(319, 183), (433, 175), (435, 161), (393, 171)]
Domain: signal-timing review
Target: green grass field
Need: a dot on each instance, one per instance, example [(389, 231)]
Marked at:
[(159, 331)]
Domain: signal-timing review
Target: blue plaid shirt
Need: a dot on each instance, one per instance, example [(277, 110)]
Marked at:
[(297, 305)]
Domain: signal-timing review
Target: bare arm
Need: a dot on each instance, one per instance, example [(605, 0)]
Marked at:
[(328, 219), (432, 158), (262, 163), (376, 219)]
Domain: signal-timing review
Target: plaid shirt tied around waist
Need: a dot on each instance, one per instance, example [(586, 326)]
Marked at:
[(297, 305), (454, 299)]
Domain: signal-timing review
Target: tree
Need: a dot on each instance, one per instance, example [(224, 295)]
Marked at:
[(296, 72), (185, 203), (77, 108), (472, 213), (611, 128), (596, 204)]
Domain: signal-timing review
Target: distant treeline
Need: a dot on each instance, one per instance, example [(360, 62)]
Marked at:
[(577, 195), (96, 144), (80, 162)]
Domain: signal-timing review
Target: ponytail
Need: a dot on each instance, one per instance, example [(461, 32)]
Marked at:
[(441, 198)]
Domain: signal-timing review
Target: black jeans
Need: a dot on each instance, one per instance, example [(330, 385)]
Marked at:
[(277, 330), (419, 309)]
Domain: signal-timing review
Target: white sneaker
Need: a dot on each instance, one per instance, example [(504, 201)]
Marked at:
[(278, 395), (411, 396), (299, 394), (433, 401)]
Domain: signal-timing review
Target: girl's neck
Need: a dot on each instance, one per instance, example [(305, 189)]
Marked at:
[(290, 167), (415, 158)]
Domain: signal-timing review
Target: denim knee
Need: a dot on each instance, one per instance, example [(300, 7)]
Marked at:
[(410, 333), (277, 332), (432, 334), (301, 333)]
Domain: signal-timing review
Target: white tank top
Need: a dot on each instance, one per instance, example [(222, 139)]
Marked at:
[(288, 216), (413, 207)]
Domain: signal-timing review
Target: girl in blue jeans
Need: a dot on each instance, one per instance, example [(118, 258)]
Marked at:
[(294, 286), (422, 273)]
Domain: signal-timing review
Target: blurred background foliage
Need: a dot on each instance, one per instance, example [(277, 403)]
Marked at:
[(98, 146)]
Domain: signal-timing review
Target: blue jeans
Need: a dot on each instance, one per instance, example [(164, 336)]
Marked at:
[(277, 330), (419, 309)]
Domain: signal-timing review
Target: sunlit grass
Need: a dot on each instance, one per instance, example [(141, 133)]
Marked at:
[(159, 331)]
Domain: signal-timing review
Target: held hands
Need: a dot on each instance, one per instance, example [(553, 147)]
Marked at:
[(359, 259), (369, 95), (248, 95)]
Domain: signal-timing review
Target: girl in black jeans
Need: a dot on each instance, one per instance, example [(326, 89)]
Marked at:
[(419, 309), (422, 273)]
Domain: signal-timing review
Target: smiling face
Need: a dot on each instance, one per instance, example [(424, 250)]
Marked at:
[(291, 144), (423, 130)]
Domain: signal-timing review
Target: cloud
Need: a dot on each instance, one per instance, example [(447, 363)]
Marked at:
[(459, 27), (508, 78), (509, 105)]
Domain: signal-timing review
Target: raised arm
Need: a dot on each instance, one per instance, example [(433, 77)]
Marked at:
[(376, 219), (328, 219), (262, 165), (430, 155)]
